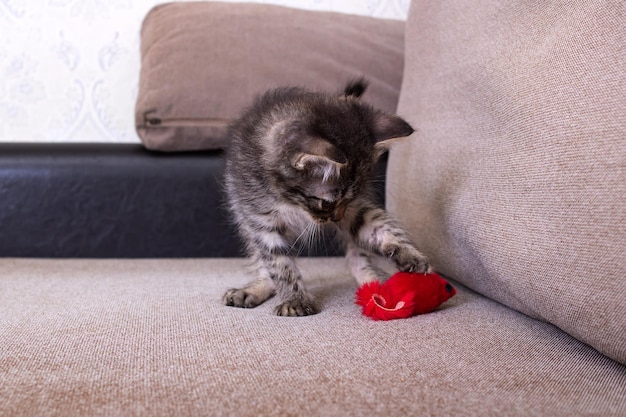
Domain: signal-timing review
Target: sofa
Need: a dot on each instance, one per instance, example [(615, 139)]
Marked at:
[(114, 258)]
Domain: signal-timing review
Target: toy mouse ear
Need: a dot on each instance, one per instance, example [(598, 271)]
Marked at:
[(388, 129)]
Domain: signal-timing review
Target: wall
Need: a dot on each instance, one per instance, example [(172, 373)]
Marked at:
[(69, 68)]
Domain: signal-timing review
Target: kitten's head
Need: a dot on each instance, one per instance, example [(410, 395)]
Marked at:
[(329, 146)]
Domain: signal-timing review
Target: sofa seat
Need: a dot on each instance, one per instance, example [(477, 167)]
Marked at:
[(151, 338)]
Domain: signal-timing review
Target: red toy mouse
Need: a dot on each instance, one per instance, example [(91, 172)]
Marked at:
[(403, 295)]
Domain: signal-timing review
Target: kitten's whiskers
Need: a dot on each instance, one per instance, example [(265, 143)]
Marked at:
[(313, 236), (304, 234)]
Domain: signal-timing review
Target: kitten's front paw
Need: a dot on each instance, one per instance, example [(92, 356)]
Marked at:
[(420, 265), (241, 298), (411, 261), (296, 308)]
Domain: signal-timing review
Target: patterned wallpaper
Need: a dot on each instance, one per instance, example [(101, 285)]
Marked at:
[(69, 68)]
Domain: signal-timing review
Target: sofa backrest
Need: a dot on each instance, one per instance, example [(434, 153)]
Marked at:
[(515, 181)]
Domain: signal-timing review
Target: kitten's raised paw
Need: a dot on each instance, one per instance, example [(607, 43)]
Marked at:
[(296, 308), (411, 261), (241, 298), (417, 265)]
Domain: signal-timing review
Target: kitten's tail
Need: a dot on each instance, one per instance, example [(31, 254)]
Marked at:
[(355, 88)]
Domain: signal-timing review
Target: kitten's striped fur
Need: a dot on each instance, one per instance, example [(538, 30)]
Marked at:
[(299, 160)]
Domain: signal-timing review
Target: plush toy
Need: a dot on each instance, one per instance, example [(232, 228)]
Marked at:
[(403, 295)]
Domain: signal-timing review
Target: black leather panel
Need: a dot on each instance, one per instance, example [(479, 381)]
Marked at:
[(117, 201), (111, 200)]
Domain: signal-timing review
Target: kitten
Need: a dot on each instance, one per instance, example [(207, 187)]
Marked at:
[(298, 160)]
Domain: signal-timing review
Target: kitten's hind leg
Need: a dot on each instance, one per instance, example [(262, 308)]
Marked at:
[(253, 294)]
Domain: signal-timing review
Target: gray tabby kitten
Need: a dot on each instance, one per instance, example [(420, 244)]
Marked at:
[(298, 160)]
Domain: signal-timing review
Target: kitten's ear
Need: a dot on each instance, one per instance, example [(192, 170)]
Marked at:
[(319, 157), (355, 88), (388, 129)]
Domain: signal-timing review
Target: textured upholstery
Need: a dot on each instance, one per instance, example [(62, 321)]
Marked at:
[(151, 338), (515, 183)]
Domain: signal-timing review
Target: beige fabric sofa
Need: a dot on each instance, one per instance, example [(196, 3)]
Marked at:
[(515, 185)]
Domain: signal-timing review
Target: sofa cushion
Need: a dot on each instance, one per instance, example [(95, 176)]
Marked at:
[(203, 62), (515, 183), (151, 338)]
